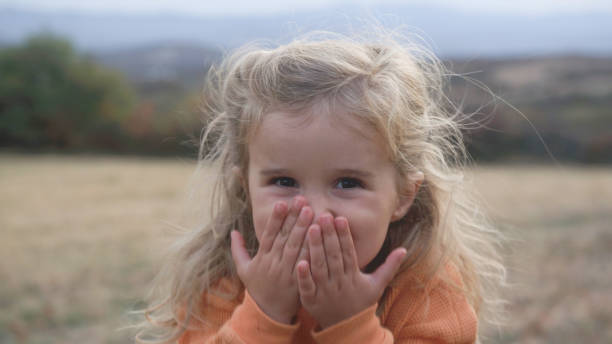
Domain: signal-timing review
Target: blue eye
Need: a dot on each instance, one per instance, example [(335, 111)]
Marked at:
[(285, 182), (348, 183)]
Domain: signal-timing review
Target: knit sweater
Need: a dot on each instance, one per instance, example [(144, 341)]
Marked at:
[(434, 314)]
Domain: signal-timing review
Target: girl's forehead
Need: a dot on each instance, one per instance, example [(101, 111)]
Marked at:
[(341, 138), (337, 119)]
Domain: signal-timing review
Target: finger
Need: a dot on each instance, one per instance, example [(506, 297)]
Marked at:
[(239, 253), (349, 255), (318, 265), (296, 236), (288, 224), (306, 285), (273, 226), (385, 273), (333, 253), (304, 251)]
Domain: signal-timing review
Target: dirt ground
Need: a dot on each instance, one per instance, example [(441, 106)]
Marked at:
[(81, 238)]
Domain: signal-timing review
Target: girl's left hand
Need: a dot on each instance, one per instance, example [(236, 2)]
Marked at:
[(332, 287)]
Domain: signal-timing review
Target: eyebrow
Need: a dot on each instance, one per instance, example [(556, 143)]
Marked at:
[(340, 171), (274, 171), (353, 172)]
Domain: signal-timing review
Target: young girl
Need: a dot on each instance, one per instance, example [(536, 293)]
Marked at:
[(340, 213)]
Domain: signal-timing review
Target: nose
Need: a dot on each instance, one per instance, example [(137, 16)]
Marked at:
[(320, 204)]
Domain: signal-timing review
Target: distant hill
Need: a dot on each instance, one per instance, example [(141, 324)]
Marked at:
[(169, 62), (564, 100), (523, 80), (568, 99)]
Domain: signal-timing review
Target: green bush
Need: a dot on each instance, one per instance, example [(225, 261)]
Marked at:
[(51, 96)]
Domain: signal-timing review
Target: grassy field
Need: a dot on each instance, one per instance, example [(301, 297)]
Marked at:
[(80, 239)]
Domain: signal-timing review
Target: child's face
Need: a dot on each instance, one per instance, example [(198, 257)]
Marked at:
[(339, 165)]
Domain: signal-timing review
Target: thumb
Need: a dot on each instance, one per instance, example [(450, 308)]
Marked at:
[(384, 274), (239, 253)]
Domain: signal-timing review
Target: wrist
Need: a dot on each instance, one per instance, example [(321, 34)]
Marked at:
[(279, 316), (323, 324), (252, 325), (332, 319)]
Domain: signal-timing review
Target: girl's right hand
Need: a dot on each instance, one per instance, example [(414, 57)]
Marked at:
[(269, 277)]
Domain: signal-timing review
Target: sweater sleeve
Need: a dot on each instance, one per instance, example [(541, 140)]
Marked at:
[(246, 324), (445, 317), (363, 327), (440, 315)]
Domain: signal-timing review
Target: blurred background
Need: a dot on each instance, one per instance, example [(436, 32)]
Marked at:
[(99, 126)]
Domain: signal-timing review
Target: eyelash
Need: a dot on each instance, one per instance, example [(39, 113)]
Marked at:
[(278, 181), (284, 181), (356, 183)]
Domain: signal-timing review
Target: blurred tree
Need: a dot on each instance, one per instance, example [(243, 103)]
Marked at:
[(50, 96)]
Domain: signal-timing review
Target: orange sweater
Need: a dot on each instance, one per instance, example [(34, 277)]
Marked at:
[(406, 318)]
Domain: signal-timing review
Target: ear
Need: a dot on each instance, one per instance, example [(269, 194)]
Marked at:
[(407, 195)]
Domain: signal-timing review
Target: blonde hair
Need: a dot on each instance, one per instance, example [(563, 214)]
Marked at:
[(395, 86)]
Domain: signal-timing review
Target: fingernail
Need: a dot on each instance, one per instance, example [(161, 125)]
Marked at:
[(302, 269), (305, 212), (279, 207), (403, 254), (298, 201), (314, 231)]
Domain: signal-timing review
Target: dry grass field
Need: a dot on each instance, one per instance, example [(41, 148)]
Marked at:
[(80, 239)]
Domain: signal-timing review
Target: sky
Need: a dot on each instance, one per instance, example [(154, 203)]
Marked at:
[(250, 7), (455, 27)]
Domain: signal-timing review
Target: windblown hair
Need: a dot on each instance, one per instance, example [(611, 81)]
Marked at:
[(396, 87)]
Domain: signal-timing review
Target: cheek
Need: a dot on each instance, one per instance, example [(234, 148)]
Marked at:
[(369, 230), (261, 213), (368, 245), (260, 209)]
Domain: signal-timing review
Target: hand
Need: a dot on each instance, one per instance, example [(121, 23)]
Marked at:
[(269, 276), (332, 288)]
